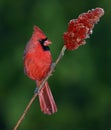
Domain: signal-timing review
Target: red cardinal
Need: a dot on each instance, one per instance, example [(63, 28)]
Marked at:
[(37, 63)]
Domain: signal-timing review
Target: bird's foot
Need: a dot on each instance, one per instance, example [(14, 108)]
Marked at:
[(53, 65), (36, 90)]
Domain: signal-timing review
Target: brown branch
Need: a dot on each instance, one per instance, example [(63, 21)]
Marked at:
[(41, 86)]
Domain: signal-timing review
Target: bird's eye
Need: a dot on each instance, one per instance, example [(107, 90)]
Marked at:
[(43, 40)]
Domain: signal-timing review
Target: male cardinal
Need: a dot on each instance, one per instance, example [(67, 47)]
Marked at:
[(37, 63)]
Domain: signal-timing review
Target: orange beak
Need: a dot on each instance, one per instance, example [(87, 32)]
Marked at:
[(47, 42)]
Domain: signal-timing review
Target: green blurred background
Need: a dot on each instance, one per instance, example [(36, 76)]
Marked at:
[(81, 83)]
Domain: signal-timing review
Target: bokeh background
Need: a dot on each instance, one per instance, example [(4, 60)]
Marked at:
[(81, 83)]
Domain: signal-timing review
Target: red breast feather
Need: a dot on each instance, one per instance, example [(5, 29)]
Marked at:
[(37, 63)]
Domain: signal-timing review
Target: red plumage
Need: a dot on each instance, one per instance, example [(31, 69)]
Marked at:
[(37, 63)]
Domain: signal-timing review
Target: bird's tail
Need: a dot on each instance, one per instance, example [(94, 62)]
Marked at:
[(46, 99)]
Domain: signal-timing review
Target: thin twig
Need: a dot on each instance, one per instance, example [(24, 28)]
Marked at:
[(41, 86), (25, 111)]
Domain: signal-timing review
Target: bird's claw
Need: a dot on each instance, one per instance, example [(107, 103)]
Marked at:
[(53, 65), (36, 90)]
